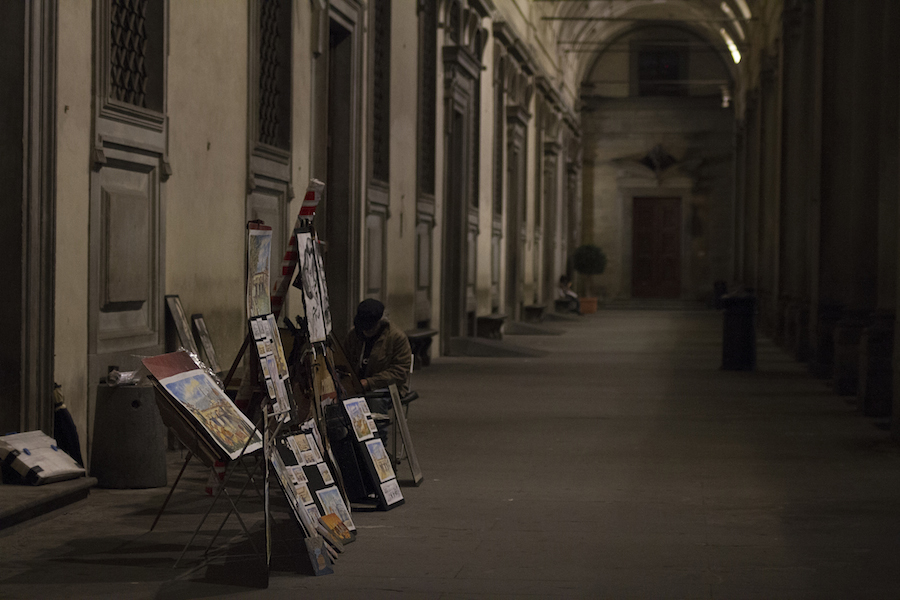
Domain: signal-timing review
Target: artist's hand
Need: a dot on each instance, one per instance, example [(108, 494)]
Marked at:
[(364, 383)]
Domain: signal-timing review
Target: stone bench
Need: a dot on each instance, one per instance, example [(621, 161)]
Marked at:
[(490, 326), (420, 345), (533, 313)]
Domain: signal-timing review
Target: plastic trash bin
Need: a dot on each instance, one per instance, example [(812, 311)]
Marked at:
[(128, 450), (739, 332)]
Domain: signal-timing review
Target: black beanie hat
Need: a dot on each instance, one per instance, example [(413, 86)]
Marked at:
[(368, 313)]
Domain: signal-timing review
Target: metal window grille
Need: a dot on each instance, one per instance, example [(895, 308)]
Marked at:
[(269, 119), (428, 99), (128, 51), (381, 95)]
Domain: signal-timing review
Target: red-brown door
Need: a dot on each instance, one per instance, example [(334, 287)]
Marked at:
[(656, 248)]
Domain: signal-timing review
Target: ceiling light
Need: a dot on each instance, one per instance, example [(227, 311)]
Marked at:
[(745, 10), (732, 47), (727, 10)]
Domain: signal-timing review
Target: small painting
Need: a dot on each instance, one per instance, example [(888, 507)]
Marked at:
[(313, 512), (314, 447), (298, 475), (358, 411), (303, 494), (380, 459), (326, 474), (332, 502), (259, 252), (391, 491)]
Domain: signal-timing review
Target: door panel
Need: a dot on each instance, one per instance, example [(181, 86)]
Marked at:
[(126, 246), (656, 248)]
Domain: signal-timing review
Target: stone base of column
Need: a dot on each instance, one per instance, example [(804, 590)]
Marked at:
[(800, 343), (781, 322), (845, 373), (895, 400), (768, 310), (821, 359), (876, 374)]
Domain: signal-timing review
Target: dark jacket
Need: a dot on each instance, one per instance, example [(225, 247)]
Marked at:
[(389, 361)]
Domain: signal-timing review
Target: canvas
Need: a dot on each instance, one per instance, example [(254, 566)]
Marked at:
[(259, 252), (182, 327), (391, 491), (209, 351), (337, 527), (332, 502), (323, 290), (309, 284), (380, 459), (360, 416), (318, 555), (200, 396)]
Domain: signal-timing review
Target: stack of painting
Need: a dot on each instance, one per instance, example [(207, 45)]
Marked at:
[(373, 454), (273, 365), (307, 479)]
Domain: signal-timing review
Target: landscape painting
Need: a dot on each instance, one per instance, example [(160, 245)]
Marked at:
[(214, 411)]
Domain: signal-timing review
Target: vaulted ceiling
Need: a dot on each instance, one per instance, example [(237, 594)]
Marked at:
[(585, 27)]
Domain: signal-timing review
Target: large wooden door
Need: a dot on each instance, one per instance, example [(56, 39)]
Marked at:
[(656, 248)]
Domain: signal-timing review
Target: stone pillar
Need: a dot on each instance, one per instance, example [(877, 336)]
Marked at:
[(815, 48), (877, 342), (836, 231), (861, 252), (740, 194), (750, 228), (798, 158), (769, 197)]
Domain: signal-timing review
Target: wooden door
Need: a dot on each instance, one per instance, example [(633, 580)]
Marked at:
[(656, 248)]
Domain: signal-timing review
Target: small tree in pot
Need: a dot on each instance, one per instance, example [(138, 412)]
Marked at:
[(589, 260)]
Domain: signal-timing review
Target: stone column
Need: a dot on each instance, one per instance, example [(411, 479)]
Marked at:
[(861, 205), (769, 197), (798, 157), (750, 228), (834, 239), (740, 194), (877, 342)]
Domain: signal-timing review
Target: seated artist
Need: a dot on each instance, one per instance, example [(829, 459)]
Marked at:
[(566, 296), (377, 349)]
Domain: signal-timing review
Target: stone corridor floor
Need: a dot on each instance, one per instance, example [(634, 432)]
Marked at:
[(624, 464)]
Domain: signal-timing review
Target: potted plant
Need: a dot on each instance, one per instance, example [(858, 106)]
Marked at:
[(589, 260)]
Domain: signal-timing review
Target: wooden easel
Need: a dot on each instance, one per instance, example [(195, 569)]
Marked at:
[(399, 422)]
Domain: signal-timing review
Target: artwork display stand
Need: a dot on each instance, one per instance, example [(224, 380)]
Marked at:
[(187, 436), (277, 415)]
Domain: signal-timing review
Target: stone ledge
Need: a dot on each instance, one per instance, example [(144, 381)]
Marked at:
[(19, 503)]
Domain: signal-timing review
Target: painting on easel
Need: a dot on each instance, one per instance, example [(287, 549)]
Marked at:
[(259, 252), (323, 289), (199, 396), (312, 282)]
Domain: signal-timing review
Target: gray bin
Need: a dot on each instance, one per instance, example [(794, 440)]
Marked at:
[(128, 449)]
